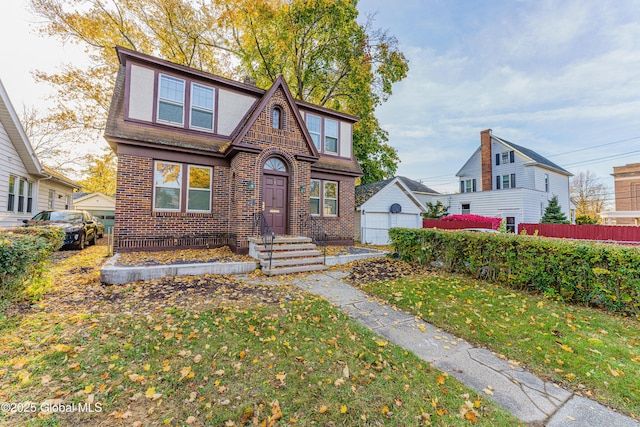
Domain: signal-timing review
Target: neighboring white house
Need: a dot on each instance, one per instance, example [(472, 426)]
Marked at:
[(505, 180), (26, 187), (385, 204), (97, 204)]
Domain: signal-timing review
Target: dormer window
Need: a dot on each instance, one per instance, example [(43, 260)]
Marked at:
[(201, 107), (171, 100), (276, 118), (324, 133)]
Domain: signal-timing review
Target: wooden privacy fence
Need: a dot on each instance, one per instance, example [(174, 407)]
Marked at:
[(454, 225), (617, 233)]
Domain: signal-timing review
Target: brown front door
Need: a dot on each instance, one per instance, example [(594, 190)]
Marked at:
[(274, 193)]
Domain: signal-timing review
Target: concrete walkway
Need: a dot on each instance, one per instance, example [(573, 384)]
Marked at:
[(526, 396)]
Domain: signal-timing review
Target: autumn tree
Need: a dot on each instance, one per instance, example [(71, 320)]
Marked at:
[(325, 55), (588, 196), (49, 140), (100, 174)]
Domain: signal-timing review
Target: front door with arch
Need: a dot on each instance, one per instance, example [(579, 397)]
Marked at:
[(275, 183)]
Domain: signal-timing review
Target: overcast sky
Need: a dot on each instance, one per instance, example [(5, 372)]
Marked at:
[(559, 77)]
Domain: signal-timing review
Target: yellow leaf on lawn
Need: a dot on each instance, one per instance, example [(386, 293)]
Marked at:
[(150, 392), (567, 348), (62, 348), (147, 367), (88, 389), (385, 410), (440, 379), (381, 343), (471, 416), (343, 409), (186, 372), (323, 409)]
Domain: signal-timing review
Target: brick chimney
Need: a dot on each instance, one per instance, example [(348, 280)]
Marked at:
[(485, 152)]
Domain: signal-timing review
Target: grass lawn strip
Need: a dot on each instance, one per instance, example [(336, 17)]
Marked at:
[(589, 351), (278, 357)]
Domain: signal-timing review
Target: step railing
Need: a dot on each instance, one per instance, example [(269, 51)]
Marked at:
[(312, 228), (262, 228)]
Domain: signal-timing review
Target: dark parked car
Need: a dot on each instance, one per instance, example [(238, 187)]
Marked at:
[(79, 226), (100, 226)]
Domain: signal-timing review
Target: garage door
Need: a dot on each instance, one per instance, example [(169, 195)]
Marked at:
[(375, 228)]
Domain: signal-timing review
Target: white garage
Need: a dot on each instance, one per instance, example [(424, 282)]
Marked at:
[(383, 205)]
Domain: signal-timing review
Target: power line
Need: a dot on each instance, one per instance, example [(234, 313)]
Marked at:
[(595, 146)]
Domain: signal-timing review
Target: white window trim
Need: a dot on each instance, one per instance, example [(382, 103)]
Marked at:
[(324, 198), (170, 101), (156, 209), (209, 190), (337, 137), (203, 109), (14, 194), (319, 197), (315, 133)]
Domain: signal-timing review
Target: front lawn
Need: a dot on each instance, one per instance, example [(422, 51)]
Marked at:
[(210, 350), (592, 352)]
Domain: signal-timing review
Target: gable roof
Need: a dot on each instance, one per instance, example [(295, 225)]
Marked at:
[(17, 135), (533, 156), (367, 191), (83, 197), (244, 127)]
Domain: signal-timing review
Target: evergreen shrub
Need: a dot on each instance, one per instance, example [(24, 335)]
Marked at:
[(596, 274)]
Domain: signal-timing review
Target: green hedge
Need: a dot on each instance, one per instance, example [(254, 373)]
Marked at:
[(596, 274), (23, 252)]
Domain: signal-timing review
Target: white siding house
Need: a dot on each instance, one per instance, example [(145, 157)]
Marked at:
[(386, 204), (26, 187), (505, 180)]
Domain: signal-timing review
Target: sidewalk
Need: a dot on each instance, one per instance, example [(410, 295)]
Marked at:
[(526, 396)]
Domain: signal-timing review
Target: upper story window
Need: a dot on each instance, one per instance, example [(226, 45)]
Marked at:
[(468, 186), (314, 125), (505, 157), (324, 132), (330, 136), (505, 181), (276, 118), (177, 99), (171, 100), (546, 182), (201, 106)]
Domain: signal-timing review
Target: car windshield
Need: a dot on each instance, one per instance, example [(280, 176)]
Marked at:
[(59, 216)]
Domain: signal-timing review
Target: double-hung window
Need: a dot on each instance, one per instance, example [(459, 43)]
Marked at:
[(314, 192), (323, 198), (171, 100), (167, 183), (505, 181), (170, 186), (12, 193), (330, 201), (30, 197), (199, 191), (314, 125), (331, 136), (324, 133), (21, 194), (201, 107)]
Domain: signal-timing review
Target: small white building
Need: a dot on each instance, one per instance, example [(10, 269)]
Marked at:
[(386, 204), (26, 186), (97, 204)]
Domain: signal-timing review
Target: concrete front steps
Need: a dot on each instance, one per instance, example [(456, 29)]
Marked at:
[(289, 255)]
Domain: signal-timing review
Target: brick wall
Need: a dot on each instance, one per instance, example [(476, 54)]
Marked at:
[(485, 153), (236, 194)]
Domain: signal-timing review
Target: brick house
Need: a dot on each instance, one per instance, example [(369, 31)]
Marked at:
[(627, 188), (203, 160)]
